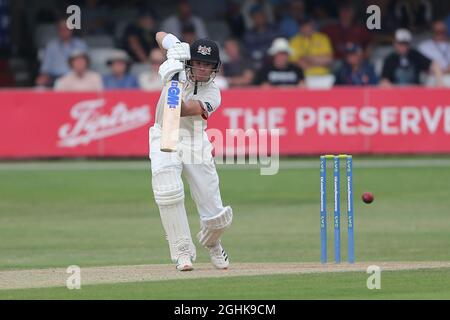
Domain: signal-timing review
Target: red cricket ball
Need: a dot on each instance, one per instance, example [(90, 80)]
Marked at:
[(367, 197)]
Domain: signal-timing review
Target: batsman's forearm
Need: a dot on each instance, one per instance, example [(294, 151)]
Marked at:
[(159, 38)]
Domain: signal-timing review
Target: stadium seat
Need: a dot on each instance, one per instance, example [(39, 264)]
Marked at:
[(139, 68), (430, 81), (320, 82), (99, 41), (99, 57)]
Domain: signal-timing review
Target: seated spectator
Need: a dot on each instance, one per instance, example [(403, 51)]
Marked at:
[(346, 30), (289, 23), (311, 50), (355, 70), (151, 81), (237, 69), (280, 72), (174, 23), (438, 48), (80, 78), (120, 78), (258, 40), (404, 66), (139, 38), (56, 55)]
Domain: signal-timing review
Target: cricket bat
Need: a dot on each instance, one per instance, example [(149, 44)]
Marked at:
[(171, 114)]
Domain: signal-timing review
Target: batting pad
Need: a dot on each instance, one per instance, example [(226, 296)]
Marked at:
[(213, 228), (169, 195)]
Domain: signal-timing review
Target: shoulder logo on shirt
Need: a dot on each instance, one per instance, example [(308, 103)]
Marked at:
[(209, 107), (204, 50)]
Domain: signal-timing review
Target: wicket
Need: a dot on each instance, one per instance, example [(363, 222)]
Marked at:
[(337, 207)]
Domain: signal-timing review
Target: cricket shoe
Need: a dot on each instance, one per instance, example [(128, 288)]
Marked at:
[(184, 262), (219, 257)]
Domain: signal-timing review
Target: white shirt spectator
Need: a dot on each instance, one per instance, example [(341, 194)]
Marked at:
[(89, 81), (437, 51), (150, 81)]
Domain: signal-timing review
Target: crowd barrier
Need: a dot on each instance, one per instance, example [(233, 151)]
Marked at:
[(43, 124)]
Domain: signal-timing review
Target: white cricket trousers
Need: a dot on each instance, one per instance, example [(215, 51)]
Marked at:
[(193, 160)]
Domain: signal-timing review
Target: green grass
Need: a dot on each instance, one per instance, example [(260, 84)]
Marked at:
[(56, 218), (418, 284)]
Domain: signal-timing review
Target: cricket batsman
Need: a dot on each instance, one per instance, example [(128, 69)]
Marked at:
[(196, 65)]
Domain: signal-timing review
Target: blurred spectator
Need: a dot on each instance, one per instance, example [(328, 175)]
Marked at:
[(280, 72), (346, 30), (94, 18), (151, 80), (234, 19), (237, 69), (56, 55), (258, 40), (120, 78), (355, 70), (414, 14), (289, 23), (438, 48), (174, 24), (188, 34), (405, 65), (80, 78), (139, 38), (247, 8), (312, 50)]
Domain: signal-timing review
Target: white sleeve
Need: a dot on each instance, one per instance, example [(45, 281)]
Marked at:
[(210, 101)]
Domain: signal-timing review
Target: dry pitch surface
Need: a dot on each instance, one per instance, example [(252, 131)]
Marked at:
[(56, 277)]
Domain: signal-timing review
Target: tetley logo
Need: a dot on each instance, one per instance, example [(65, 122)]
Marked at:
[(173, 95), (91, 122), (204, 50)]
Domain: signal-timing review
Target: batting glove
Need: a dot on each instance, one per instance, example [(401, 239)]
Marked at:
[(169, 68), (179, 51)]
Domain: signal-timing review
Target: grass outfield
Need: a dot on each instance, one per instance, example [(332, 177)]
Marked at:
[(417, 284), (101, 217)]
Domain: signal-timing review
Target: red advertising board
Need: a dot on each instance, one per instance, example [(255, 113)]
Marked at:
[(341, 120)]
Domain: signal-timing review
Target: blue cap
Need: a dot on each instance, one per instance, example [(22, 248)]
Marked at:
[(352, 47)]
